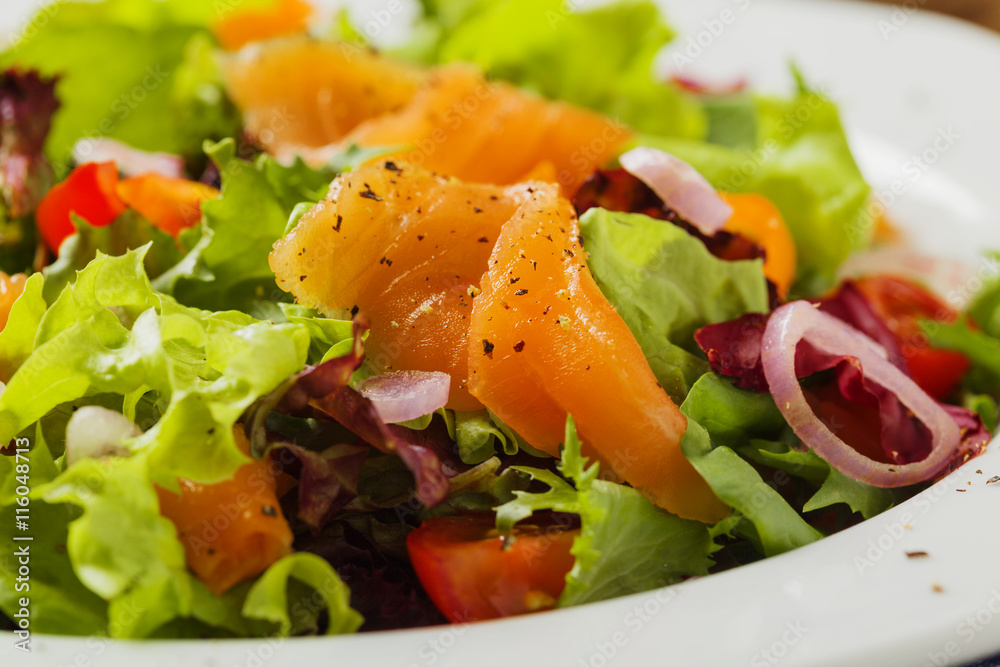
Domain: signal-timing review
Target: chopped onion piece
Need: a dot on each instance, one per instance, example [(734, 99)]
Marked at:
[(801, 321), (94, 432), (680, 186), (404, 395), (130, 161)]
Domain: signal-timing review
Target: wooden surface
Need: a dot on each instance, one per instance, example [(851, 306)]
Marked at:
[(984, 12)]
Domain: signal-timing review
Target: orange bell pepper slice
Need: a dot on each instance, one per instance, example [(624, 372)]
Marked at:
[(756, 218), (11, 288), (231, 531), (283, 17), (90, 192), (170, 204)]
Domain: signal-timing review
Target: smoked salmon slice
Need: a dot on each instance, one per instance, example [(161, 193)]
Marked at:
[(545, 342), (407, 248)]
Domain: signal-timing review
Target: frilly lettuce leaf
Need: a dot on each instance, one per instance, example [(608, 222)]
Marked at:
[(268, 599), (665, 284), (111, 333)]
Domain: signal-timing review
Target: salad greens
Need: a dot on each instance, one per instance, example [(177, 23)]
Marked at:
[(189, 337)]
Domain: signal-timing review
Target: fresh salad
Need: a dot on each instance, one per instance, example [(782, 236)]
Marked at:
[(301, 336)]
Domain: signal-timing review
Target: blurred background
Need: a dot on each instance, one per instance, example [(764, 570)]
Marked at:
[(984, 12)]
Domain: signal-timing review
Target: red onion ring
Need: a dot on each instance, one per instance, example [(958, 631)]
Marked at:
[(801, 321), (680, 186), (404, 395)]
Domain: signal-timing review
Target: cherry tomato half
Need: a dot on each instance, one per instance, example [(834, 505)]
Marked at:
[(902, 305), (469, 576)]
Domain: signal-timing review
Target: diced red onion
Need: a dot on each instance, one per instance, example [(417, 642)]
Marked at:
[(130, 161), (680, 186), (94, 432), (404, 395), (801, 321)]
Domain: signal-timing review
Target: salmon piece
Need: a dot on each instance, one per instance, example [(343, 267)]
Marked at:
[(544, 343), (301, 92), (231, 531), (307, 97), (490, 132), (404, 246)]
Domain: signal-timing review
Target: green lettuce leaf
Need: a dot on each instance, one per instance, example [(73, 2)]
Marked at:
[(17, 339), (626, 544), (719, 413), (666, 285), (103, 91), (545, 46)]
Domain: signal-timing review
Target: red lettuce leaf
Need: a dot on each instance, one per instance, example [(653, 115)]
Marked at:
[(328, 480), (27, 103), (326, 389)]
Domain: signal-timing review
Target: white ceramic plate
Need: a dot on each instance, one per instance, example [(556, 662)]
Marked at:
[(904, 80)]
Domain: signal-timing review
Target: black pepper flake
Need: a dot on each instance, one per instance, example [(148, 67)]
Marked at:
[(354, 311), (587, 368), (521, 292), (514, 280), (386, 261), (483, 239), (534, 265), (211, 551), (917, 554), (368, 194), (211, 431), (568, 252), (494, 198), (269, 510), (301, 278), (392, 166), (476, 209), (518, 346), (488, 348), (420, 237), (993, 480)]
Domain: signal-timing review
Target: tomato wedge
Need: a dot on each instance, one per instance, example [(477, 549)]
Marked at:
[(469, 576), (902, 305)]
